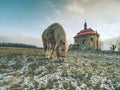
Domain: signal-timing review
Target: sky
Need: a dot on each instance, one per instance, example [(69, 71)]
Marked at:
[(23, 21)]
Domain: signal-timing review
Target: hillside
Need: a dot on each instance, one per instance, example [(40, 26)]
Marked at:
[(27, 69)]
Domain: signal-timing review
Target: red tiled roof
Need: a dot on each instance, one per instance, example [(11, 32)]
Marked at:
[(88, 31)]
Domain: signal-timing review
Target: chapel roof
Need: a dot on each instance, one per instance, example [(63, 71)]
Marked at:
[(85, 31)]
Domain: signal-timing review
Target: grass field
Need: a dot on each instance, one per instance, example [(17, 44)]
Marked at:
[(28, 69)]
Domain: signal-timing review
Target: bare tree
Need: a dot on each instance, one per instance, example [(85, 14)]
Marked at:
[(113, 47)]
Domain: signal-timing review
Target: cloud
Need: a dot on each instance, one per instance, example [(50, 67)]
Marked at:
[(49, 4), (58, 12), (74, 7), (102, 14)]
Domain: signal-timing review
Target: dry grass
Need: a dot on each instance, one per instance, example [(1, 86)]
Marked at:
[(22, 68)]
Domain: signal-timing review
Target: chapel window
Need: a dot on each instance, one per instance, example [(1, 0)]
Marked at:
[(83, 41), (91, 39)]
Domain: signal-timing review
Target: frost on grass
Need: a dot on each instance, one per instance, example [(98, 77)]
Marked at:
[(27, 69)]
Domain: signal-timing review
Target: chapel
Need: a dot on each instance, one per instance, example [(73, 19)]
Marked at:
[(86, 39)]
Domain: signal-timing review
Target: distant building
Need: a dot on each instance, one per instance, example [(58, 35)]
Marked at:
[(86, 39)]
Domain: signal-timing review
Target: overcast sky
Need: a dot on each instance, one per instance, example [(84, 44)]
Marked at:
[(23, 21)]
